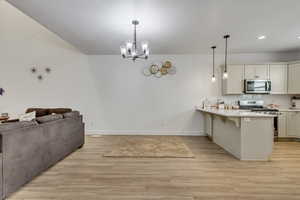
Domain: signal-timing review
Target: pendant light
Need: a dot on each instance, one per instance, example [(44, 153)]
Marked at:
[(213, 78), (225, 74)]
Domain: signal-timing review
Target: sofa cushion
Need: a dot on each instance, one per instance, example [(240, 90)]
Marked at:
[(73, 114), (59, 110), (28, 116), (39, 112), (9, 126), (49, 118)]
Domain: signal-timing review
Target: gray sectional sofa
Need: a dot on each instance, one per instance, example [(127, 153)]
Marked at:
[(29, 148)]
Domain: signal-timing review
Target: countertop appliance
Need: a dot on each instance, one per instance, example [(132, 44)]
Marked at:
[(257, 106), (251, 104), (296, 102), (257, 86)]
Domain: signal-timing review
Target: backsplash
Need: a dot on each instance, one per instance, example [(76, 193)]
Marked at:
[(283, 100)]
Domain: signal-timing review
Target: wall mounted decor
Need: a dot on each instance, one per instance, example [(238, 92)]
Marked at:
[(160, 69), (2, 91), (48, 70), (33, 70), (42, 72), (40, 77)]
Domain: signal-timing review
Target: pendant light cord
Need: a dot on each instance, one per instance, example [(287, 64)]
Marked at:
[(226, 38), (134, 37), (213, 48)]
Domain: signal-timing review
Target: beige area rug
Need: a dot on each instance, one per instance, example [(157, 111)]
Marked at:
[(149, 147)]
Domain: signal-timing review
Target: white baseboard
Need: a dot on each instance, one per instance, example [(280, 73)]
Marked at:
[(112, 132)]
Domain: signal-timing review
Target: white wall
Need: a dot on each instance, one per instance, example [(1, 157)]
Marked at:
[(133, 103), (112, 93), (25, 44)]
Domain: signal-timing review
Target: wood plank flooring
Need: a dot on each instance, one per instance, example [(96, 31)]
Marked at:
[(212, 175)]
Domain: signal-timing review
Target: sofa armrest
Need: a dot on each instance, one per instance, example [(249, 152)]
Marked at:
[(24, 151)]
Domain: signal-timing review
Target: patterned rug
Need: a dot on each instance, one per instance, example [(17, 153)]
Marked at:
[(149, 147)]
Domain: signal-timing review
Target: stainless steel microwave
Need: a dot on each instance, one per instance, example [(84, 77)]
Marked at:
[(257, 86)]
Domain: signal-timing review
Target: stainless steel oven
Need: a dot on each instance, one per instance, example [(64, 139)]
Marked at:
[(257, 86)]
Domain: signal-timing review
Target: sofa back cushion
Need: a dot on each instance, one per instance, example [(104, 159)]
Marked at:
[(39, 112), (15, 125), (73, 114), (49, 118), (59, 110)]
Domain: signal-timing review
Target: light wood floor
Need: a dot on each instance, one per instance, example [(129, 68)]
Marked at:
[(213, 174)]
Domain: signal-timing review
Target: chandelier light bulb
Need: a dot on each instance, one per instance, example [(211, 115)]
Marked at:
[(133, 54), (145, 46), (225, 75), (213, 79), (123, 51), (129, 46)]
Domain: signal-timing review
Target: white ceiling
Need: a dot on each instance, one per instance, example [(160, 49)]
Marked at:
[(171, 26)]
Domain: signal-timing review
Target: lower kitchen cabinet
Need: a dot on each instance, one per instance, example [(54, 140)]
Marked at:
[(289, 124), (293, 124), (282, 125), (208, 125)]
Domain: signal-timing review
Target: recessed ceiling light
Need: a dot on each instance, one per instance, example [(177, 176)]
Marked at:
[(298, 37), (261, 37)]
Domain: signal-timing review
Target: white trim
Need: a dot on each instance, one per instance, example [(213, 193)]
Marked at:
[(146, 132)]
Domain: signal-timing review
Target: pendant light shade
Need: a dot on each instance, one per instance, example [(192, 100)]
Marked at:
[(225, 73), (213, 78)]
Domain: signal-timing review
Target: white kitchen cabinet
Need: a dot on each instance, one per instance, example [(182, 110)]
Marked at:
[(294, 78), (234, 84), (293, 124), (282, 125), (259, 72), (208, 125), (278, 77)]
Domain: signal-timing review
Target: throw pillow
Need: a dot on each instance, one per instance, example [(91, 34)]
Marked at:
[(28, 116)]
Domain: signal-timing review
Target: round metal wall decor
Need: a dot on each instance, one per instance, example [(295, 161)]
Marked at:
[(147, 71), (167, 64), (154, 68), (160, 69)]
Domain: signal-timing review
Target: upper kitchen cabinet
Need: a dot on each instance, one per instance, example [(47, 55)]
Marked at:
[(293, 78), (278, 77), (259, 72), (235, 82)]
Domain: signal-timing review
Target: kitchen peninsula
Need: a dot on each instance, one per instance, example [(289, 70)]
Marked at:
[(244, 134)]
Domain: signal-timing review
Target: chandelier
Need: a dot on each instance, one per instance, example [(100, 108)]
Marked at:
[(131, 50)]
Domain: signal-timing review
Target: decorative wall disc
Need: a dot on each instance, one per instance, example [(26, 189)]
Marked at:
[(167, 64), (172, 71), (147, 72), (154, 68), (164, 70), (158, 74)]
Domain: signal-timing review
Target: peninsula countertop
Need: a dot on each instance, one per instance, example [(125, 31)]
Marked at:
[(234, 113)]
